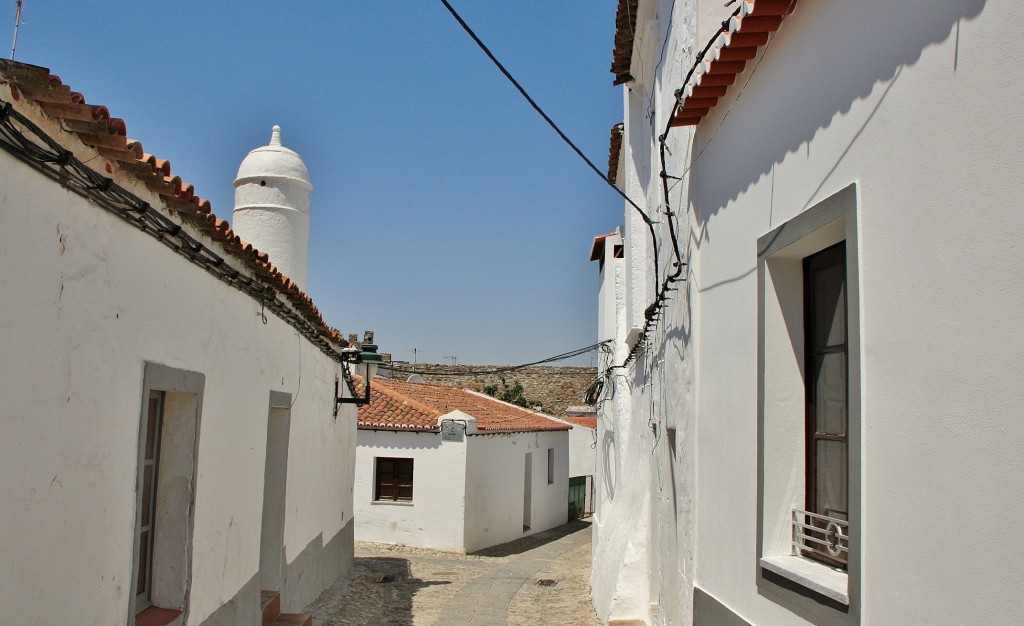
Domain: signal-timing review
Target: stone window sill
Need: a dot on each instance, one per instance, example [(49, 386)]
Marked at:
[(392, 503), (818, 577)]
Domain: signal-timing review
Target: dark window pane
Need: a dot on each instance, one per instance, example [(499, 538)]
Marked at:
[(147, 493), (140, 585), (830, 394), (829, 306), (151, 424), (831, 478)]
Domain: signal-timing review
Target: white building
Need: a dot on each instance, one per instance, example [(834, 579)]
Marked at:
[(582, 458), (840, 194), (455, 470), (159, 458)]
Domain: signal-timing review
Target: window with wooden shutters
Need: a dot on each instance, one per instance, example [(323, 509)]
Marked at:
[(826, 385), (394, 479)]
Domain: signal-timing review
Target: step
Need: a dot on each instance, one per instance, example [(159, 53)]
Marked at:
[(293, 619), (270, 604)]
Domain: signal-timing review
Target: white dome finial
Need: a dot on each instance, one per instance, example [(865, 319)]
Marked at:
[(275, 136)]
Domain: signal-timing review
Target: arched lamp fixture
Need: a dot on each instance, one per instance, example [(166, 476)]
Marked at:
[(366, 360)]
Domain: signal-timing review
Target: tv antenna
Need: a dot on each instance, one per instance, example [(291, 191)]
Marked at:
[(17, 24), (454, 359)]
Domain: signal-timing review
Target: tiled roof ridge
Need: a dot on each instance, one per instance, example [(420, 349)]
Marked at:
[(738, 42), (94, 127), (481, 406)]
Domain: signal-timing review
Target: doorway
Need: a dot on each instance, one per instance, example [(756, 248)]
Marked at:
[(527, 491), (275, 480)]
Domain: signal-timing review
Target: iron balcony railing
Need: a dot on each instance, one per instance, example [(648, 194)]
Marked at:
[(820, 536)]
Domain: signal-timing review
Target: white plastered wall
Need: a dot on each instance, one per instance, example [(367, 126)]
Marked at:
[(494, 486), (90, 301), (921, 120), (434, 518)]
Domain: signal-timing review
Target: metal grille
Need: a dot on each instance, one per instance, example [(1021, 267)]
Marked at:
[(820, 535)]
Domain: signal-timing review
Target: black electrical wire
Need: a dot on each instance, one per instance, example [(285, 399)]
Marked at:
[(647, 220), (24, 140), (501, 370)]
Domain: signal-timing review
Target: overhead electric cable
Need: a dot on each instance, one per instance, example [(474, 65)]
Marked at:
[(647, 220), (500, 370), (537, 108)]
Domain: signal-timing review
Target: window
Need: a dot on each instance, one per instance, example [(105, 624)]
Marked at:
[(147, 510), (825, 383), (551, 466), (394, 480), (808, 386)]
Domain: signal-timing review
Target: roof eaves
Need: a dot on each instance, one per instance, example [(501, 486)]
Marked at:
[(96, 129), (738, 42), (615, 152), (625, 28)]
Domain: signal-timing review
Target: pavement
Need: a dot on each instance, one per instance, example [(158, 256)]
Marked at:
[(398, 585)]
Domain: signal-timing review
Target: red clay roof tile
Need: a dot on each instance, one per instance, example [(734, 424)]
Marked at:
[(399, 405), (94, 127), (738, 43)]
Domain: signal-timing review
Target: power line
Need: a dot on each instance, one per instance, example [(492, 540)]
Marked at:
[(537, 108), (647, 220), (502, 370)]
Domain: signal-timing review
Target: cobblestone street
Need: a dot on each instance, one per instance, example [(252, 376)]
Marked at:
[(397, 585)]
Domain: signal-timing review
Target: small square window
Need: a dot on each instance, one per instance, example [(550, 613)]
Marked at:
[(393, 479)]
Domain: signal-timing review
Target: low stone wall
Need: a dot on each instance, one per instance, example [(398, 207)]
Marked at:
[(556, 388)]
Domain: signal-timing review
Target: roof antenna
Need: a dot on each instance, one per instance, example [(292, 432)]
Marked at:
[(17, 24)]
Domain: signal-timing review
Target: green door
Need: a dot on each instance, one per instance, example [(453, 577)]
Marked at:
[(577, 497)]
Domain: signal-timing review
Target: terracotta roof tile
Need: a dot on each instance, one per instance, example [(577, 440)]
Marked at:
[(589, 421), (399, 405), (738, 43), (615, 152), (94, 126), (597, 250), (625, 27)]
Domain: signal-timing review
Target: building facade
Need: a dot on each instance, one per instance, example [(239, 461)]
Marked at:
[(811, 412), (455, 470), (160, 459)]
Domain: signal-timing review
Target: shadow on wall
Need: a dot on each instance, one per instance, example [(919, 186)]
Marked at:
[(608, 459), (822, 60)]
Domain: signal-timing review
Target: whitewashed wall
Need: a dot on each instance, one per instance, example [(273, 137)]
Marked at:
[(495, 469), (922, 121), (89, 300), (434, 518), (582, 442)]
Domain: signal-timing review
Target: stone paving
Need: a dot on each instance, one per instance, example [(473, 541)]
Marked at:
[(494, 587)]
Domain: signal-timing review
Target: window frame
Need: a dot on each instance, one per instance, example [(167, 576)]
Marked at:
[(396, 477), (797, 582)]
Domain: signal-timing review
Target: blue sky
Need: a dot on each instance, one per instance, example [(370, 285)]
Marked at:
[(447, 216)]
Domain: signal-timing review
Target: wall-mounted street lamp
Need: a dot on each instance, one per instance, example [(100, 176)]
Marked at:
[(366, 361)]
